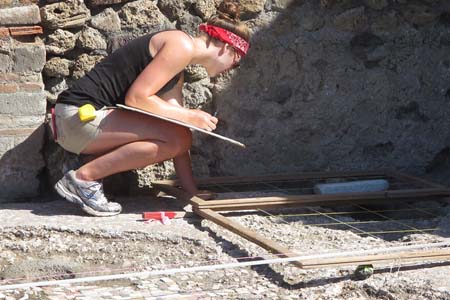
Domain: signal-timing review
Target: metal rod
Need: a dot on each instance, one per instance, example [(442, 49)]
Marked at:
[(352, 256)]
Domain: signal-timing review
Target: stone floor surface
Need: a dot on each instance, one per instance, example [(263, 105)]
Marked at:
[(55, 228)]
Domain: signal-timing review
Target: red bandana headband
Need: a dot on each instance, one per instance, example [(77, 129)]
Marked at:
[(226, 36)]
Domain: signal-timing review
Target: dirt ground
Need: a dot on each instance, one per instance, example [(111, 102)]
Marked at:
[(51, 239)]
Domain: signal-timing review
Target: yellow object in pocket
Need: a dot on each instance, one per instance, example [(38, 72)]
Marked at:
[(87, 113)]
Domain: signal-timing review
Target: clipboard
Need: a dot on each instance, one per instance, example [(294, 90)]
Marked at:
[(121, 106)]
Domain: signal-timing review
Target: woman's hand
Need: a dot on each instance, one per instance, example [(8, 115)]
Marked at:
[(202, 119)]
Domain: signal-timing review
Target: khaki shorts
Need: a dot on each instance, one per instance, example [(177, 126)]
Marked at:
[(72, 134)]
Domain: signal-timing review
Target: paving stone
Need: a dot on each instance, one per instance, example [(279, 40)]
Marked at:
[(167, 280), (173, 288)]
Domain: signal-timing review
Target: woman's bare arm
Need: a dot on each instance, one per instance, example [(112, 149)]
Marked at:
[(173, 56), (182, 163)]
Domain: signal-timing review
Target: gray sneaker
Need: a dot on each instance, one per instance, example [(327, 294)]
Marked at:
[(87, 194)]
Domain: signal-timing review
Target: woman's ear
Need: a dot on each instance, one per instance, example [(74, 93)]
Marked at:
[(223, 48), (208, 41)]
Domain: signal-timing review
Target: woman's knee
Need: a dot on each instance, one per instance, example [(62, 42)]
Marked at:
[(181, 140)]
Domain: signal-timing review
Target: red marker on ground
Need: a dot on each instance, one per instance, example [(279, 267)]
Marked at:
[(163, 216)]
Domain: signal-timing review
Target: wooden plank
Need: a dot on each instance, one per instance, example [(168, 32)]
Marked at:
[(226, 223), (417, 180), (335, 197), (278, 177), (207, 209), (318, 200), (247, 234), (442, 254)]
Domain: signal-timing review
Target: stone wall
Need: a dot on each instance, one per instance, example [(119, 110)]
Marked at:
[(22, 100), (327, 85), (341, 85)]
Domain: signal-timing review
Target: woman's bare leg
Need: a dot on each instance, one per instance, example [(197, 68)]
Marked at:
[(131, 140), (128, 140)]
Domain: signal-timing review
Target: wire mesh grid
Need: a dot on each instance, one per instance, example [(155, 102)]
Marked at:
[(389, 222), (301, 186)]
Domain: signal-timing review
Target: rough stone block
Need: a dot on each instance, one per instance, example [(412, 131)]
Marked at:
[(22, 15), (172, 9), (5, 63), (279, 5), (251, 8), (60, 42), (57, 67), (91, 39), (107, 21), (21, 163), (29, 57), (105, 2), (327, 3), (15, 3), (143, 14), (420, 15), (65, 14), (376, 4), (5, 3), (354, 19), (84, 63), (5, 55), (205, 8)]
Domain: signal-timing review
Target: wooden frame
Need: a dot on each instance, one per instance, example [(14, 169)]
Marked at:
[(210, 209)]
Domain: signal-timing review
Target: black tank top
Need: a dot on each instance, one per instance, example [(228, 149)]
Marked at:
[(108, 82)]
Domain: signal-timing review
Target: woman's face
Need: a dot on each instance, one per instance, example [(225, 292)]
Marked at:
[(227, 58)]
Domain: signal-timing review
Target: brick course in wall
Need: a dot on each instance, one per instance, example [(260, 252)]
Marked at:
[(20, 31), (21, 87)]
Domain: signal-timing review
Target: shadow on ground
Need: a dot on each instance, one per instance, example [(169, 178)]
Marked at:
[(54, 205)]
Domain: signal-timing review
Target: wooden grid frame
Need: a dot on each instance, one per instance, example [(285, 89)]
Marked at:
[(209, 209)]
